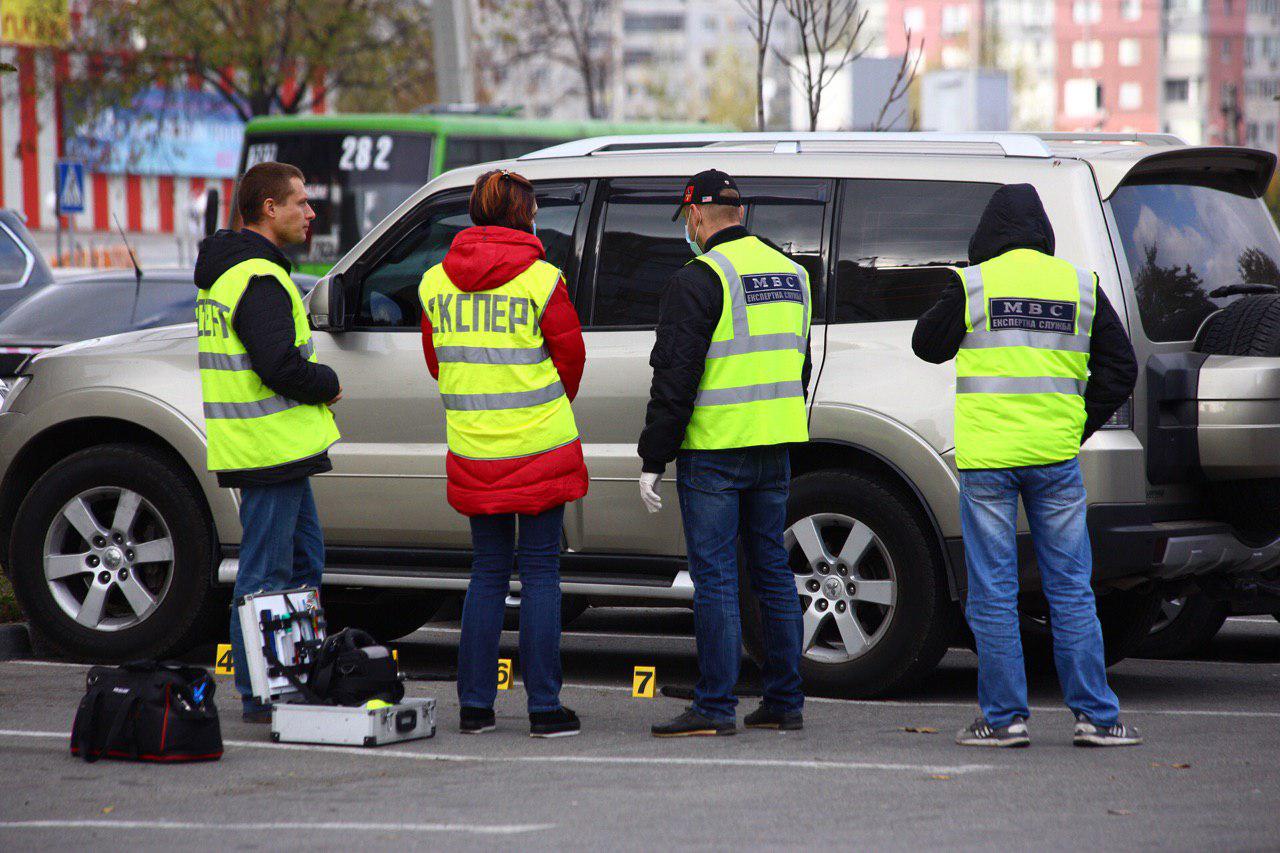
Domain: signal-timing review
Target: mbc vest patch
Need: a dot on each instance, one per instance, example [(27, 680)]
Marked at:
[(1032, 315), (775, 287)]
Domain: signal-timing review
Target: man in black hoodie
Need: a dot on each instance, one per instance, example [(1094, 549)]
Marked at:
[(1042, 362), (266, 397)]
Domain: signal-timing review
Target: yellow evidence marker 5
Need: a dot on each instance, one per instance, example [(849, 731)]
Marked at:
[(642, 682)]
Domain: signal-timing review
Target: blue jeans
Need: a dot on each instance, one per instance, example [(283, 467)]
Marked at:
[(493, 540), (1054, 498), (282, 547), (726, 495)]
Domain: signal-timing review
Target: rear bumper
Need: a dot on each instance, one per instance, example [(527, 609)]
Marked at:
[(1131, 542)]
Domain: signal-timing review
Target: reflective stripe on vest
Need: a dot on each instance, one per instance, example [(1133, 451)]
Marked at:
[(751, 392), (247, 424), (1022, 368), (498, 386)]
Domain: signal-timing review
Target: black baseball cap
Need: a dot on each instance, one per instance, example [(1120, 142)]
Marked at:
[(707, 188)]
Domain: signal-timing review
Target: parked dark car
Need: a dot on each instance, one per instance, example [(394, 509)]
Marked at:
[(23, 269), (96, 305)]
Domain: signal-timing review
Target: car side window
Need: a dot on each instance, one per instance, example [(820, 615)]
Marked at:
[(164, 304), (389, 290), (13, 260), (640, 248), (896, 240)]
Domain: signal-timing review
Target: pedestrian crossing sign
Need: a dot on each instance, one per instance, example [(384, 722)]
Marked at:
[(70, 185)]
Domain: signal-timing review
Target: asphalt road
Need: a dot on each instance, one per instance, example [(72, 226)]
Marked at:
[(1208, 777)]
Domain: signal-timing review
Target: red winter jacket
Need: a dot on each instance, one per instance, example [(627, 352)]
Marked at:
[(483, 258)]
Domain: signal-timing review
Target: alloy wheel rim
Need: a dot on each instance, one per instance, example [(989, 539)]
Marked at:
[(847, 585), (1170, 609), (108, 559)]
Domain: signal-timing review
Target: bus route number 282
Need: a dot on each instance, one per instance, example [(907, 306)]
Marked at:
[(361, 153)]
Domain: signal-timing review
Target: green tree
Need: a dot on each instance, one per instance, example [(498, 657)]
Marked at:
[(263, 56), (731, 75)]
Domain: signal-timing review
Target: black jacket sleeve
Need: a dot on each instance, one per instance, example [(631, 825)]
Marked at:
[(940, 330), (1113, 370), (687, 317), (264, 322)]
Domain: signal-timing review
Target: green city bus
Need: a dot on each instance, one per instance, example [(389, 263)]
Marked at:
[(359, 168)]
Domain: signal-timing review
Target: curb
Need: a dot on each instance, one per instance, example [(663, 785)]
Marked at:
[(15, 641)]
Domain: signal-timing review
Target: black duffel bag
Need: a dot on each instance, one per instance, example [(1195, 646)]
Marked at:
[(350, 668), (148, 711)]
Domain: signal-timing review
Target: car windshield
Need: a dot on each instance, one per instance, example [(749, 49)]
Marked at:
[(1183, 241)]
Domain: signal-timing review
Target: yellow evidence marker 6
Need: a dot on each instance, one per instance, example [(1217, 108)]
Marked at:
[(642, 682), (222, 661), (504, 674)]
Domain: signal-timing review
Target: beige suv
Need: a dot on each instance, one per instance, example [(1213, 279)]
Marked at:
[(121, 545)]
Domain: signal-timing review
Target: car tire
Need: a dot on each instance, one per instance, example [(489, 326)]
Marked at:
[(385, 614), (1248, 326), (904, 639), (112, 590), (1184, 626), (1126, 617)]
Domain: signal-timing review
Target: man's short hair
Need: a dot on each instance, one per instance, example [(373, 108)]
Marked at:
[(263, 181)]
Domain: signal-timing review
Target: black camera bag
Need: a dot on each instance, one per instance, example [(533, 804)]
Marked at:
[(350, 668)]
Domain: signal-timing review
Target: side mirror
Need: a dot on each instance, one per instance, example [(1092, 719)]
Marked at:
[(211, 211), (327, 305)]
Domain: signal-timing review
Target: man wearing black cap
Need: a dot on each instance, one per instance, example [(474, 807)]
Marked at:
[(730, 369)]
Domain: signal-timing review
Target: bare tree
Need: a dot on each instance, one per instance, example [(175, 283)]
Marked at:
[(573, 33), (828, 32), (902, 80), (760, 26)]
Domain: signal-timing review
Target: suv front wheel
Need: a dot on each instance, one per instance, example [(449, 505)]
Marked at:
[(112, 554), (873, 597)]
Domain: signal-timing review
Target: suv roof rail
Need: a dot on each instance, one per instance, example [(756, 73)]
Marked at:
[(1161, 139), (786, 142)]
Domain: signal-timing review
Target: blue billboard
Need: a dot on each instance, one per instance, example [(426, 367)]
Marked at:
[(163, 132)]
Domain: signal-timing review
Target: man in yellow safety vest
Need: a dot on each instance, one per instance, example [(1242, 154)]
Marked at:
[(731, 365), (1042, 362), (266, 397)]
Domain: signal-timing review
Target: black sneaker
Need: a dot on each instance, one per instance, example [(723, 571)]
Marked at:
[(982, 734), (765, 717), (560, 723), (692, 724), (474, 721), (255, 713), (1087, 734)]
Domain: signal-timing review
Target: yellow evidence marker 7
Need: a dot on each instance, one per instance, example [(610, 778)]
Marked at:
[(642, 682), (504, 674), (222, 661)]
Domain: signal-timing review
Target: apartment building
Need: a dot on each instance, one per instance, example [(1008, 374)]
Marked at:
[(1262, 74)]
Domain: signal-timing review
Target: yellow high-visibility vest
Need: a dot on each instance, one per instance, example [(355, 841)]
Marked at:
[(1024, 361), (752, 392), (248, 425), (501, 392)]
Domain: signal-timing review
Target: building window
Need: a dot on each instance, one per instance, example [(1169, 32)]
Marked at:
[(1086, 11), (1177, 91), (1131, 10), (1086, 54), (1081, 97), (955, 20), (1130, 96), (1226, 50), (913, 19), (1130, 52)]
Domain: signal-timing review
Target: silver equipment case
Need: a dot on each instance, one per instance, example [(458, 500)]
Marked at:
[(409, 719)]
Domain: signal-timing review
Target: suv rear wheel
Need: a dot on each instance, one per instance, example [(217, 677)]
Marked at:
[(877, 616), (112, 556), (1185, 624)]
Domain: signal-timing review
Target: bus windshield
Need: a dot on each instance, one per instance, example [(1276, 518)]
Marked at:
[(354, 179)]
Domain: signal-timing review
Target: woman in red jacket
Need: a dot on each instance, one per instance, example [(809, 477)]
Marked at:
[(501, 336)]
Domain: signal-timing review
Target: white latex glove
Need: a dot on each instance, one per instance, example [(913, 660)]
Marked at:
[(649, 491)]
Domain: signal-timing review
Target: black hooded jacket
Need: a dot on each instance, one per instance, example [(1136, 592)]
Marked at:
[(1015, 219), (264, 322)]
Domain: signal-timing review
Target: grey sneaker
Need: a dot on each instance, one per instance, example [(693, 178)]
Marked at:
[(1087, 734), (980, 733)]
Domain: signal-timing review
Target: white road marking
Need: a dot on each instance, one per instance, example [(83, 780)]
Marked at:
[(478, 829), (778, 763)]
